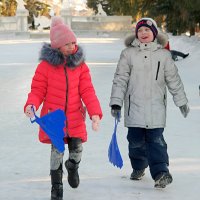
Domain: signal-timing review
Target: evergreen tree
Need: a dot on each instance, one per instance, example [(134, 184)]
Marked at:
[(180, 15)]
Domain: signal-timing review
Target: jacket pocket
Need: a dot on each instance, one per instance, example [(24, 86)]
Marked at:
[(129, 104), (165, 100), (158, 68)]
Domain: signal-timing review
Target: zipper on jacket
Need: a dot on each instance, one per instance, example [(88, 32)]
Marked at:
[(129, 101), (66, 100), (158, 70)]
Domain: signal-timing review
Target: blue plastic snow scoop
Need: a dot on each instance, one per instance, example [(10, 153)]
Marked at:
[(52, 124), (113, 150)]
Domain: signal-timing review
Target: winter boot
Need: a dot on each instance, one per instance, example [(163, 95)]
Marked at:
[(137, 174), (163, 179), (57, 185), (73, 176)]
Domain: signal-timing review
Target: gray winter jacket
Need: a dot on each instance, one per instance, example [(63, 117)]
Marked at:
[(141, 77)]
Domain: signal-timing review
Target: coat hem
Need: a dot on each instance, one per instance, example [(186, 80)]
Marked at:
[(145, 126)]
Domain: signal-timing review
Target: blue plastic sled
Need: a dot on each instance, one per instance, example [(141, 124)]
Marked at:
[(52, 124), (113, 151)]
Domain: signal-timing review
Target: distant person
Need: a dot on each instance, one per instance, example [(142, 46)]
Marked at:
[(62, 81), (175, 54), (144, 72)]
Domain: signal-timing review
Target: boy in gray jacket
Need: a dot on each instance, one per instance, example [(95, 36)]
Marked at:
[(144, 71)]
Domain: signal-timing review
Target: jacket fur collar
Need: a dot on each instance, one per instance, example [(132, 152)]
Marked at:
[(161, 39), (55, 57)]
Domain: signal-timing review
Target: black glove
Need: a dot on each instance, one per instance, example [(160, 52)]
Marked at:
[(184, 110), (116, 111)]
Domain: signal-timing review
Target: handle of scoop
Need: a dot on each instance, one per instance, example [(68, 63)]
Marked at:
[(36, 117)]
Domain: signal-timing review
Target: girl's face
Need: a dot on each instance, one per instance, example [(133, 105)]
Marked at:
[(145, 35), (68, 48)]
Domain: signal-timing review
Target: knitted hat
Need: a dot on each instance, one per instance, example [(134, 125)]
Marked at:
[(60, 34), (148, 22)]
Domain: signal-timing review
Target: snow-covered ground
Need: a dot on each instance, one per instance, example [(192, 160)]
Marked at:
[(24, 162)]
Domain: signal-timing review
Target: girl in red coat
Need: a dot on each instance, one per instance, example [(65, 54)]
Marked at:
[(62, 81)]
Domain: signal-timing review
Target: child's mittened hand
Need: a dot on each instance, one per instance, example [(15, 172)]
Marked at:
[(95, 122), (184, 110), (116, 111), (29, 112)]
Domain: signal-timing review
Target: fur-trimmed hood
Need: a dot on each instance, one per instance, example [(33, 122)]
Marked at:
[(161, 39), (56, 57)]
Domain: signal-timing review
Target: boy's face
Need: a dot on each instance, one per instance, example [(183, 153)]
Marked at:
[(145, 35), (68, 48)]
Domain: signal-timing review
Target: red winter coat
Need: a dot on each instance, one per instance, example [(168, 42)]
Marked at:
[(64, 83)]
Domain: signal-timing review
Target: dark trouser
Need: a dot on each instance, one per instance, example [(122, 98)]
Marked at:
[(147, 147)]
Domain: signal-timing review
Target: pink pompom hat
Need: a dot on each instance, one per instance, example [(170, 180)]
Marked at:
[(60, 34)]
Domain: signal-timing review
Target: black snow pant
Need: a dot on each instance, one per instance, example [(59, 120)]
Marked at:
[(147, 147)]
